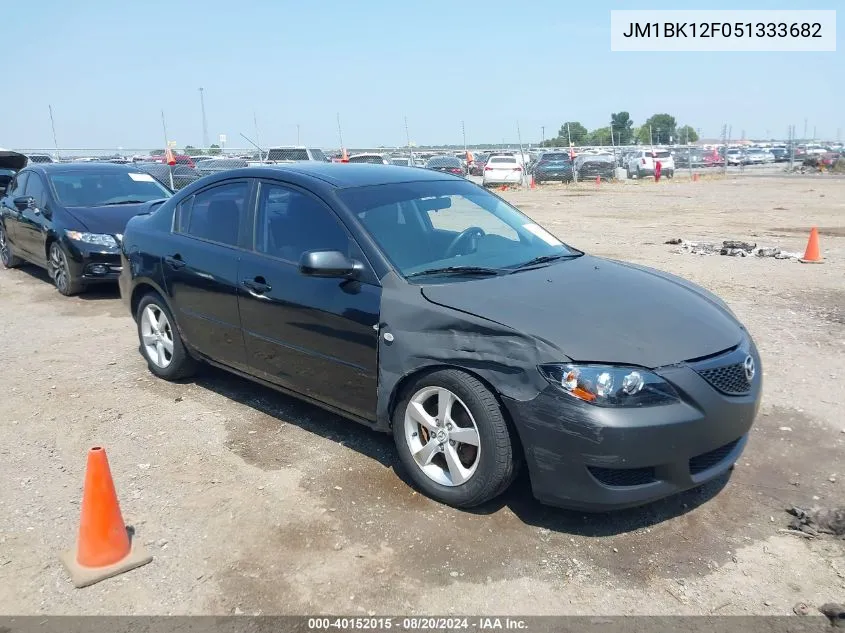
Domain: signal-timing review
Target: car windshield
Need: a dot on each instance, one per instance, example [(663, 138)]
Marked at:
[(428, 225), (101, 188), (555, 158)]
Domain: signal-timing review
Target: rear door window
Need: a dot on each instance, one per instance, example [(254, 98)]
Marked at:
[(35, 189)]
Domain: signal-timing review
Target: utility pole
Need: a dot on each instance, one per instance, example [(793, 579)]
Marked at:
[(408, 141), (814, 132), (339, 132), (297, 133), (53, 127), (805, 128), (204, 121), (521, 154), (464, 134), (542, 136), (166, 145)]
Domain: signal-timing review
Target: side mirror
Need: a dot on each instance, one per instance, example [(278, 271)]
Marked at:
[(24, 202), (328, 264)]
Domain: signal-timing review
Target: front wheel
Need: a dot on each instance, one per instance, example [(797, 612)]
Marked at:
[(60, 271), (161, 344), (453, 440), (7, 256)]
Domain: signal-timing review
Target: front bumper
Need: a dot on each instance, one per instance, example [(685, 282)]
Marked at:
[(597, 459), (92, 264)]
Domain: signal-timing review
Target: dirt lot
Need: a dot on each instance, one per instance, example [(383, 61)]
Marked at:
[(253, 502)]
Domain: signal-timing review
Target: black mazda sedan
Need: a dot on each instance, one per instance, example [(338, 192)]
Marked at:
[(421, 305), (69, 219)]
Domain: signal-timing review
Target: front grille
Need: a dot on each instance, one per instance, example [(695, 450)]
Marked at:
[(702, 462), (623, 476), (729, 379)]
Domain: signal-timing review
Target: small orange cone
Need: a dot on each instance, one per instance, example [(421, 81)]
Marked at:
[(533, 185), (169, 158), (103, 548), (695, 177), (811, 254), (598, 181), (503, 188), (344, 157)]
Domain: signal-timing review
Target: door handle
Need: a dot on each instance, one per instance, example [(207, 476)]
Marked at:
[(175, 261), (256, 286)]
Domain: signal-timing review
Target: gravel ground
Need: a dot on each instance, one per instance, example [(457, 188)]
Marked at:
[(253, 502)]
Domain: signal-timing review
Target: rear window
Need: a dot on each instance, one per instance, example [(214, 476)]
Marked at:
[(661, 154), (555, 158), (502, 159), (377, 160), (287, 153), (317, 154)]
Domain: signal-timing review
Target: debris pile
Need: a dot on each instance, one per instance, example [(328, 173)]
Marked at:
[(816, 521), (730, 248)]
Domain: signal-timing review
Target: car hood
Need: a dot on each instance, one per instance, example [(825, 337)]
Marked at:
[(603, 311), (12, 160), (110, 219)]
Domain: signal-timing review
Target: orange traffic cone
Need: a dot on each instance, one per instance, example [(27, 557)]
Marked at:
[(811, 254), (169, 158), (533, 185), (598, 181), (103, 548), (695, 177), (344, 157), (503, 188)]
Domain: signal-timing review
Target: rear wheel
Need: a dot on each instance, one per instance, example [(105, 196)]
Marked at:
[(61, 273), (7, 256), (161, 344), (453, 440)]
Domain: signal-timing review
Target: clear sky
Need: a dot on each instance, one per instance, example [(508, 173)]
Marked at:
[(109, 67)]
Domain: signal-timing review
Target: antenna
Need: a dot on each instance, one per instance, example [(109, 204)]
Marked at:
[(260, 151), (53, 126), (204, 122)]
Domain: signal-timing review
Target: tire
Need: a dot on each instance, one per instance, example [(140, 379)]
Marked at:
[(180, 364), (628, 173), (639, 175), (7, 255), (670, 174), (486, 471), (59, 269)]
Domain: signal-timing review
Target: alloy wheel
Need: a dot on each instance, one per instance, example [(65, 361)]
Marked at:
[(442, 436), (59, 268), (5, 252), (157, 336)]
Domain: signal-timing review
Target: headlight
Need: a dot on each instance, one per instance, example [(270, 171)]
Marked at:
[(99, 239), (608, 386)]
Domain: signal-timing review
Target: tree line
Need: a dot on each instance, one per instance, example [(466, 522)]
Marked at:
[(658, 129)]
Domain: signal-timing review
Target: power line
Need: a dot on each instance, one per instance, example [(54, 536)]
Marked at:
[(204, 121)]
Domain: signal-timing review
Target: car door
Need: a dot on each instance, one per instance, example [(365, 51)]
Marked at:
[(200, 269), (11, 213), (34, 220), (315, 336)]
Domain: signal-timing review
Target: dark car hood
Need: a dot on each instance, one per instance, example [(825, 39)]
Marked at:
[(598, 310), (111, 220)]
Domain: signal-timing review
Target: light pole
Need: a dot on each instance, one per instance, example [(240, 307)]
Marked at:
[(204, 121)]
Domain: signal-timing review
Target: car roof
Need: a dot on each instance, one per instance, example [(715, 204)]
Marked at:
[(343, 175), (80, 167)]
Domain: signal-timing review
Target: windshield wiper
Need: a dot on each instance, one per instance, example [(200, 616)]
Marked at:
[(545, 259), (112, 204), (462, 270)]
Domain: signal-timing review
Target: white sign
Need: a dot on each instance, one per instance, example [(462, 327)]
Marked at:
[(723, 30), (222, 138)]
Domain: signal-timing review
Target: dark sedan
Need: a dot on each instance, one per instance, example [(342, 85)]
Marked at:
[(447, 165), (69, 219), (421, 305), (553, 166), (591, 166)]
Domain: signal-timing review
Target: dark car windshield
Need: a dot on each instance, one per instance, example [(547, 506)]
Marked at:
[(90, 188), (417, 224), (555, 158)]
